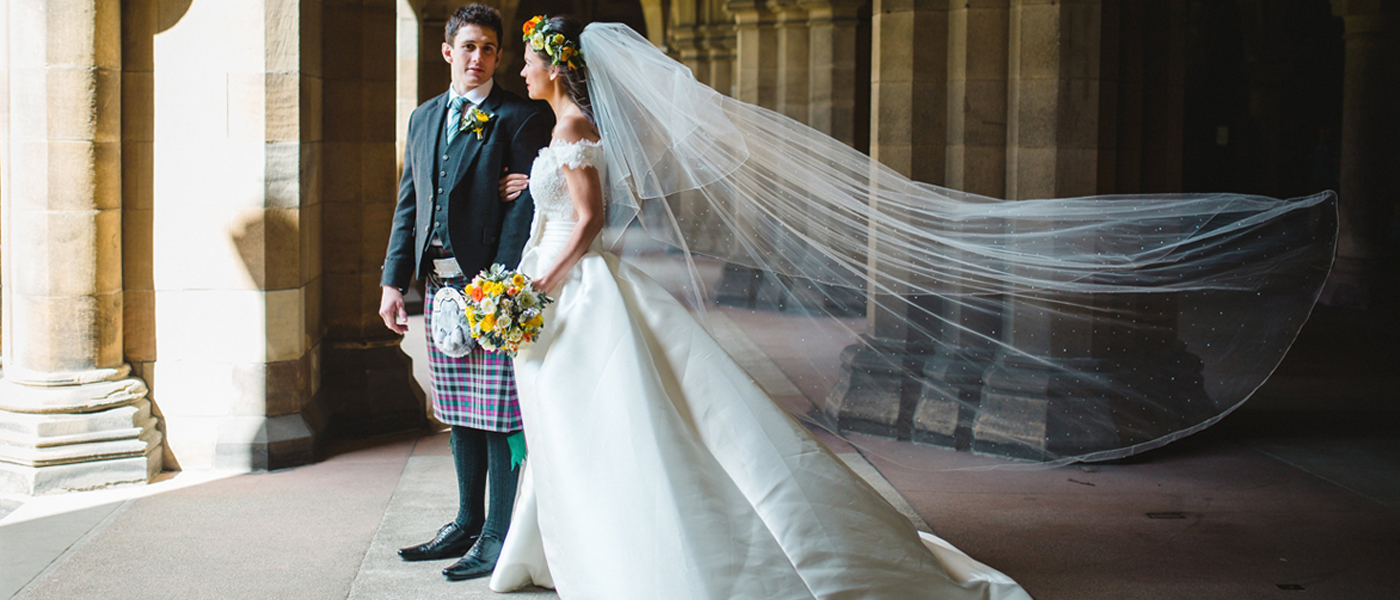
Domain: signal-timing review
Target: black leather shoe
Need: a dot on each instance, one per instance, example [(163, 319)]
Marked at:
[(479, 561), (451, 542)]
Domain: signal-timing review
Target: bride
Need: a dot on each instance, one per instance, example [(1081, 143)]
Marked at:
[(657, 467)]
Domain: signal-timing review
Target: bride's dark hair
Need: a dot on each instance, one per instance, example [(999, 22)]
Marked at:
[(575, 78)]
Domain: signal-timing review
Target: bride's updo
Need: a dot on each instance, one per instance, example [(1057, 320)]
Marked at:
[(565, 54)]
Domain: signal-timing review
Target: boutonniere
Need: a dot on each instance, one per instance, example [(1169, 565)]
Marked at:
[(476, 121)]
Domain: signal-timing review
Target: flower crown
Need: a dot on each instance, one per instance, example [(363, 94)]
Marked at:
[(559, 48)]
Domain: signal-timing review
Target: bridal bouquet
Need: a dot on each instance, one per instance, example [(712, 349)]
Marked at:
[(503, 311)]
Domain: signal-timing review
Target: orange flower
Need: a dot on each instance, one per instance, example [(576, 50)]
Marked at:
[(512, 291), (531, 25), (477, 294)]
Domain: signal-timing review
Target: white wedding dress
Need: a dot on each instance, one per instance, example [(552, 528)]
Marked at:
[(659, 470)]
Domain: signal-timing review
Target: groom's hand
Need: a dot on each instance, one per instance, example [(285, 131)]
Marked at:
[(512, 185), (392, 311)]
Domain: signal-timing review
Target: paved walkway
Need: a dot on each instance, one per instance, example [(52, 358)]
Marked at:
[(1230, 513)]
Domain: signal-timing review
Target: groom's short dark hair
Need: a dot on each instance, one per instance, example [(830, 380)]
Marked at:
[(475, 14)]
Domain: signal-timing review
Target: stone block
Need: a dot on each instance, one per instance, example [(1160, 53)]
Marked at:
[(311, 241), (986, 43), (138, 24), (34, 481), (263, 443), (315, 326), (282, 248), (343, 167), (279, 104), (1036, 113), (1036, 28), (380, 181), (285, 324), (1078, 114), (984, 171), (312, 96), (138, 240), (64, 333), (379, 107), (87, 397), (344, 118), (139, 325), (138, 106), (138, 175), (985, 106), (867, 394), (1076, 172)]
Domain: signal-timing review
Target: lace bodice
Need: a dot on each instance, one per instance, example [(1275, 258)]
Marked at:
[(547, 185)]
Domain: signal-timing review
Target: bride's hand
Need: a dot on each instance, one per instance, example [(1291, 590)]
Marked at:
[(512, 185), (544, 284)]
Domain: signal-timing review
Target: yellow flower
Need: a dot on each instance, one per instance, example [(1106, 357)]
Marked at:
[(556, 39), (489, 323), (482, 117), (518, 280)]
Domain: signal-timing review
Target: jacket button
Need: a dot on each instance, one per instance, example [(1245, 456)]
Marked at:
[(425, 229), (444, 157), (439, 207), (439, 190), (442, 174)]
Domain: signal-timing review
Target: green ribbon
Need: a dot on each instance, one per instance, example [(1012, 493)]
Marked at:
[(517, 449)]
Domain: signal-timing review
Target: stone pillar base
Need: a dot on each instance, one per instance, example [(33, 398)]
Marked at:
[(76, 437), (264, 443), (874, 391), (368, 389), (1032, 411), (951, 389)]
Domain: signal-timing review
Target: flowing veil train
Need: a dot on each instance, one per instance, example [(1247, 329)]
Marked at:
[(1092, 328)]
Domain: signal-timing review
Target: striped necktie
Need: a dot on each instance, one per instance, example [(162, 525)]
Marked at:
[(454, 118)]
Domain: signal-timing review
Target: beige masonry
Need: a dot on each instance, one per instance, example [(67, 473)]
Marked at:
[(71, 417)]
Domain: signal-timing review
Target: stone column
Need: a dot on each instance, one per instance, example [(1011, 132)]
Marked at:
[(878, 386), (1366, 202), (236, 229), (790, 21), (837, 90), (1048, 398), (756, 53), (720, 41), (368, 384), (70, 416), (976, 163)]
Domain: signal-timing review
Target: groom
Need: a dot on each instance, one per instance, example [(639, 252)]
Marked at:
[(449, 225)]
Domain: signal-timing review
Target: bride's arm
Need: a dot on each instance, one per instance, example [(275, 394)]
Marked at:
[(587, 192)]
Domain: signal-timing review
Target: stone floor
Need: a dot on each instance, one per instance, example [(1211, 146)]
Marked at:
[(1281, 500)]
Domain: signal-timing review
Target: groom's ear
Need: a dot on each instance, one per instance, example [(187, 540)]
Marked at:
[(447, 52)]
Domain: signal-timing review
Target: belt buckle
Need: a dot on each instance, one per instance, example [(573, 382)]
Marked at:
[(446, 268)]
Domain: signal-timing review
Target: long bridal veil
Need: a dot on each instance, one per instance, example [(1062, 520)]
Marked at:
[(1051, 330)]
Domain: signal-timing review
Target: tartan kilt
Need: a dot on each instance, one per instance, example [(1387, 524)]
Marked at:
[(476, 390)]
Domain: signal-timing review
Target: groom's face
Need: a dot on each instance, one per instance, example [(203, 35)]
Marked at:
[(474, 54)]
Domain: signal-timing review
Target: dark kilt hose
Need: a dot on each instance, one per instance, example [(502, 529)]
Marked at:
[(476, 390)]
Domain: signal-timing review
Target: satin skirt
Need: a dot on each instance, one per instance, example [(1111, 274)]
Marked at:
[(658, 469)]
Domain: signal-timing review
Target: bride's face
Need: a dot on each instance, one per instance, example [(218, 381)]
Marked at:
[(539, 76)]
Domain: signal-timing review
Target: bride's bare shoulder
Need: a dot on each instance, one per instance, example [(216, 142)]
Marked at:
[(575, 128)]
